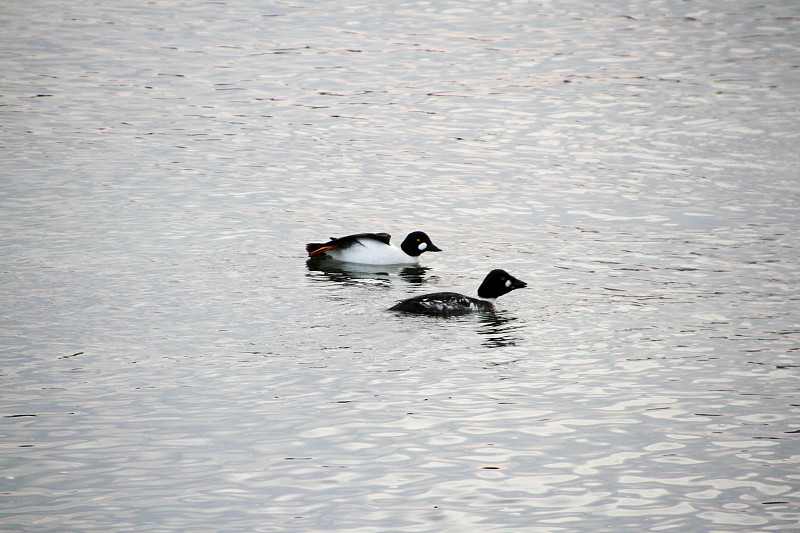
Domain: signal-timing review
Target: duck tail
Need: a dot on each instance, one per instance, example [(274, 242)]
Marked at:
[(315, 248)]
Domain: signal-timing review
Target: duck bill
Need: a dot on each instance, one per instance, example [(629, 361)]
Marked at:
[(433, 248), (518, 284)]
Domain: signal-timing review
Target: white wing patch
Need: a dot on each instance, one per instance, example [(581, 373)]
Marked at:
[(451, 304), (373, 252)]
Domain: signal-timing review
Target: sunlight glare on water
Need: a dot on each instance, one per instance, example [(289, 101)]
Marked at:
[(171, 362)]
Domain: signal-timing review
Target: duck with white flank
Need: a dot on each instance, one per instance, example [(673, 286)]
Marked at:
[(497, 283), (374, 249)]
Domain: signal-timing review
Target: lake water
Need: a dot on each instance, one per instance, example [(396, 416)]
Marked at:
[(171, 363)]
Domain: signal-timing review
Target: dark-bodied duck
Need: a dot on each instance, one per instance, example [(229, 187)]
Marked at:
[(497, 283)]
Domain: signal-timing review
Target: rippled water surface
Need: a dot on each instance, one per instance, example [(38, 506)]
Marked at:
[(170, 362)]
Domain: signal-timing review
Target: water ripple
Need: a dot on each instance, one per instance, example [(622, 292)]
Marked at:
[(172, 362)]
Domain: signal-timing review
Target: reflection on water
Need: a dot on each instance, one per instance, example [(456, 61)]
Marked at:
[(499, 329), (341, 272), (168, 362)]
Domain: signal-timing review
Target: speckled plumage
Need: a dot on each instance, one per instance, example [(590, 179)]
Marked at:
[(442, 303), (497, 283)]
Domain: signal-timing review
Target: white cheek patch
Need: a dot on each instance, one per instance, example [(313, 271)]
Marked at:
[(422, 246), (508, 283)]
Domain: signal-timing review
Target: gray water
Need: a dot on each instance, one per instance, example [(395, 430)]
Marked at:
[(171, 363)]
